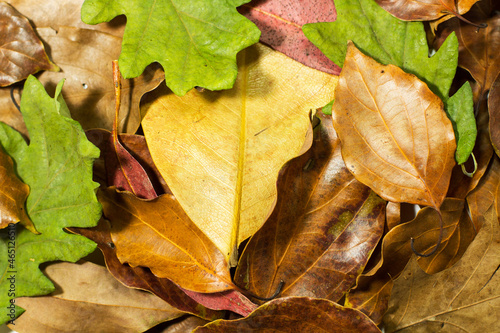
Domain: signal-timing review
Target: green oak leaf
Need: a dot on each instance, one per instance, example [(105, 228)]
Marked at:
[(389, 40), (195, 41), (57, 165)]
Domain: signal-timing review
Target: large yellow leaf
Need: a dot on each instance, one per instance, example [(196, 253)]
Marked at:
[(221, 152)]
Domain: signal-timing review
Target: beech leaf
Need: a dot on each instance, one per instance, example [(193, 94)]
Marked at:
[(22, 52), (88, 291), (196, 44), (322, 231), (296, 314), (281, 25), (221, 152), (465, 295), (159, 235), (396, 137), (57, 165)]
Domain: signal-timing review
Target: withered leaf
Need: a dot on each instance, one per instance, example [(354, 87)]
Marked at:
[(13, 194), (463, 298), (296, 314), (396, 137), (426, 10), (88, 299), (322, 231), (231, 300), (22, 52), (158, 234)]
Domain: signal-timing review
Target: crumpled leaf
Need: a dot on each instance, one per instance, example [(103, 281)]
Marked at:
[(57, 165), (87, 291), (395, 135), (196, 44), (22, 52), (426, 10), (222, 154), (159, 235), (322, 231), (465, 296), (296, 314), (281, 25), (13, 194)]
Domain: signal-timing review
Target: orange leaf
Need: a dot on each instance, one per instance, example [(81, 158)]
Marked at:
[(395, 135), (426, 10)]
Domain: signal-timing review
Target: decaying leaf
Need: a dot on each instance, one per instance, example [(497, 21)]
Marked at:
[(296, 314), (322, 231), (88, 299), (395, 135), (13, 194), (159, 235), (281, 25), (463, 298), (221, 152), (22, 52)]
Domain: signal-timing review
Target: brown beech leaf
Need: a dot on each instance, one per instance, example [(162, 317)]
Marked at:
[(396, 137), (221, 152), (22, 52), (87, 291), (426, 10), (158, 234), (140, 277), (281, 25), (296, 314), (13, 194), (464, 298), (322, 231)]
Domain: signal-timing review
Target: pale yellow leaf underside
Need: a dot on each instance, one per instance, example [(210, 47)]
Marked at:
[(221, 152)]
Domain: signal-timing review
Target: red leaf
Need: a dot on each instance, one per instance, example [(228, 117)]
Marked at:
[(227, 300)]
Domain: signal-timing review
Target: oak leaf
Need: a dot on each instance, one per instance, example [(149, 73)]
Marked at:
[(221, 152)]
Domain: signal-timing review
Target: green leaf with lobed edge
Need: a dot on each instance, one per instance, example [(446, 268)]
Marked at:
[(196, 42), (57, 165)]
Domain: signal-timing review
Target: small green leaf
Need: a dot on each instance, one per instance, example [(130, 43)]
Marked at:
[(327, 109), (196, 42), (460, 109), (57, 165)]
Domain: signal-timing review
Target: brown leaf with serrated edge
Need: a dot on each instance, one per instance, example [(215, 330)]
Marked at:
[(281, 25), (22, 52), (322, 231), (296, 314), (426, 10), (463, 298), (86, 291), (395, 135), (13, 194), (159, 235), (140, 277)]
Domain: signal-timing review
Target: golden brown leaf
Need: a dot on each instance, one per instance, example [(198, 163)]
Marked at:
[(88, 299), (464, 298), (221, 152), (396, 137), (159, 235), (426, 10)]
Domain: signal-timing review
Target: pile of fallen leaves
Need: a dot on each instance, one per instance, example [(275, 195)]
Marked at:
[(262, 186)]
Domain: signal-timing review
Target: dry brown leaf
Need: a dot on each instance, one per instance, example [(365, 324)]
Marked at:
[(21, 51), (159, 235), (88, 299), (464, 298), (396, 137), (426, 10), (220, 152), (9, 113)]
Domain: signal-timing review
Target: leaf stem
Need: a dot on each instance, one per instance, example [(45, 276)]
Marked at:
[(118, 89)]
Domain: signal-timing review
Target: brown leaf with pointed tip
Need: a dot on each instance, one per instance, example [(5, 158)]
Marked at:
[(13, 194), (296, 314), (158, 234), (86, 291), (22, 52), (322, 231), (464, 298), (426, 10), (281, 25), (395, 135)]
